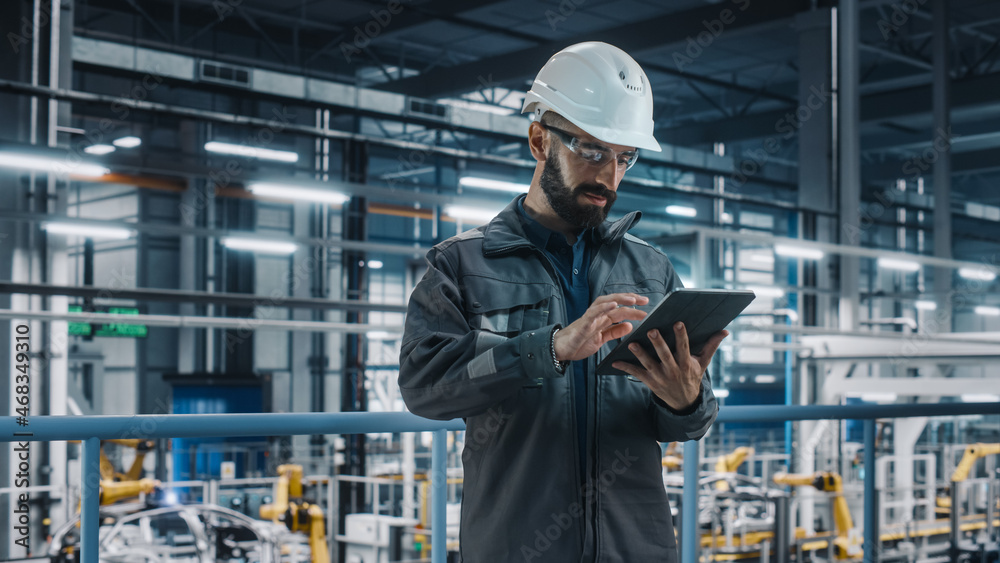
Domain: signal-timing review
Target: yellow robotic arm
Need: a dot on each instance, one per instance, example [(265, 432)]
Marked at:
[(729, 463), (317, 534), (972, 454), (671, 459), (831, 483), (288, 505), (114, 491), (108, 471)]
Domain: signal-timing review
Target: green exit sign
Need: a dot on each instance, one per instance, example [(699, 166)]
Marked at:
[(108, 329)]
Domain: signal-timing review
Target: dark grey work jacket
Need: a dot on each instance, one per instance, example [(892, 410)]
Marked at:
[(476, 346)]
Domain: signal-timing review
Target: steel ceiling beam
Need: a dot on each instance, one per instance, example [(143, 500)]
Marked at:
[(986, 160), (410, 17), (197, 297), (883, 106), (178, 321), (635, 37), (768, 239)]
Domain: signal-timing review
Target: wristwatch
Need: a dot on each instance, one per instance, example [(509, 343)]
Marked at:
[(560, 366)]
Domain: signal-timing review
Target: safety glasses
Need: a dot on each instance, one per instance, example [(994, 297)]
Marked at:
[(594, 154)]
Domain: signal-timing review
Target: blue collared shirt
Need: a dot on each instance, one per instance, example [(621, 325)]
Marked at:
[(572, 265)]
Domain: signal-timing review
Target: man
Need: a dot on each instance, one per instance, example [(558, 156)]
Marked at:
[(510, 320)]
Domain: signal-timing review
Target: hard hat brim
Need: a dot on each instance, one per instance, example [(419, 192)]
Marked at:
[(605, 134)]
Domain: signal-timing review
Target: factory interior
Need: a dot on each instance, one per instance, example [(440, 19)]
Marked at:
[(214, 207)]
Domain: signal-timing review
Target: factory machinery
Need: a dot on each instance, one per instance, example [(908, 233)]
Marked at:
[(749, 510), (298, 513), (280, 520), (748, 517)]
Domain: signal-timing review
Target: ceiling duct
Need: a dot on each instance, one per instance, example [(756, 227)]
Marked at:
[(427, 109), (223, 73)]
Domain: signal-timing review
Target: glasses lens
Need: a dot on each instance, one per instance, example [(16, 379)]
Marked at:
[(631, 158), (594, 156)]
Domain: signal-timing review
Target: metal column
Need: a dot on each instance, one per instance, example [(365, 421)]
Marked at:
[(955, 532), (306, 266), (353, 394), (54, 256), (941, 143), (439, 488), (782, 528), (90, 485), (689, 504), (848, 169), (871, 515)]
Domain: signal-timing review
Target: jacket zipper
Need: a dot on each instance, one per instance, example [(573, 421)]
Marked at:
[(614, 252), (572, 399), (594, 473)]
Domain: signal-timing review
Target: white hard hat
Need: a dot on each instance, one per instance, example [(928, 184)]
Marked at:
[(600, 89)]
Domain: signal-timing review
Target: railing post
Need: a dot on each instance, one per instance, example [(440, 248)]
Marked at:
[(90, 492), (689, 504), (871, 545), (439, 488)]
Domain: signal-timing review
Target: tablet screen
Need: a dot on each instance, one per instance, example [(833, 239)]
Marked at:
[(704, 312)]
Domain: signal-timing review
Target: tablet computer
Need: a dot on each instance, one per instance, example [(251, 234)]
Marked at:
[(703, 312)]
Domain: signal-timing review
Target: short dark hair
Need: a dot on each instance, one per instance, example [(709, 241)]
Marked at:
[(553, 119)]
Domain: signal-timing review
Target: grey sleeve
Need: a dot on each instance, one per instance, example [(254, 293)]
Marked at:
[(448, 370)]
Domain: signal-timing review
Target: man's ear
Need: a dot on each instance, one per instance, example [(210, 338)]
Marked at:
[(538, 141)]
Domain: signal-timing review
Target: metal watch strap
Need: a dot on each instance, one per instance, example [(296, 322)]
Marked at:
[(560, 366)]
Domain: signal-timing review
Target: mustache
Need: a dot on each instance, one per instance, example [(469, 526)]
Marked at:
[(598, 190)]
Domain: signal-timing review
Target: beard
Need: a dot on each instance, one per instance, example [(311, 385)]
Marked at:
[(563, 200)]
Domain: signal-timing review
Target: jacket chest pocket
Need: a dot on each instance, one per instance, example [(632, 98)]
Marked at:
[(508, 308)]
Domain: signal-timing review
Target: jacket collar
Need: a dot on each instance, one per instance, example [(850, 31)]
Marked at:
[(505, 232)]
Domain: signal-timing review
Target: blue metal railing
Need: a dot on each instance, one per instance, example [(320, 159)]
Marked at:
[(867, 413), (92, 429)]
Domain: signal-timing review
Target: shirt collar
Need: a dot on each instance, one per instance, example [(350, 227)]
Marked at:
[(540, 235)]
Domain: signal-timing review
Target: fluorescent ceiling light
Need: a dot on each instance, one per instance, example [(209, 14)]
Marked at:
[(43, 164), (977, 274), (487, 184), (99, 149), (988, 311), (682, 210), (127, 142), (764, 291), (375, 264), (980, 398), (925, 305), (727, 218), (296, 192), (897, 264), (470, 213), (798, 252), (721, 393), (381, 335), (251, 152), (878, 397), (765, 258), (765, 379), (477, 106), (90, 231), (260, 246)]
